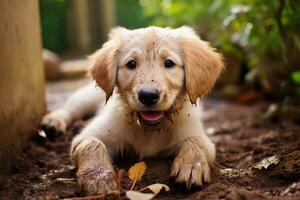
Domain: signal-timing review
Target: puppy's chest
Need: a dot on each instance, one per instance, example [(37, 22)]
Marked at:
[(147, 144)]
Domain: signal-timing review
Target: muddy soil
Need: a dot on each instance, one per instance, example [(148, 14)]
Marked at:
[(44, 170)]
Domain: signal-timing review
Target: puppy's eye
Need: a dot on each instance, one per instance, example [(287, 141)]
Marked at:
[(131, 64), (169, 63)]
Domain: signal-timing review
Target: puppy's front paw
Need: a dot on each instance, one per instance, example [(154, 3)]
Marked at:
[(191, 167), (96, 180), (54, 123)]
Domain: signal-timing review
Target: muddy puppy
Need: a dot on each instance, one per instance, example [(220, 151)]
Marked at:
[(150, 81)]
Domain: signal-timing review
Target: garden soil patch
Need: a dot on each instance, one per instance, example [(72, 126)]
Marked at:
[(44, 170)]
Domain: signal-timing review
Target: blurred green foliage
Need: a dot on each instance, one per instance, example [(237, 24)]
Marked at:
[(266, 27), (296, 77), (53, 24), (262, 34), (130, 14)]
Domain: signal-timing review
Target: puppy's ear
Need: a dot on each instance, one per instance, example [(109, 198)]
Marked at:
[(104, 62), (201, 63)]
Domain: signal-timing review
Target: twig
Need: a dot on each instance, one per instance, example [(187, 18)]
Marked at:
[(133, 185), (87, 197), (99, 196), (143, 189), (219, 165)]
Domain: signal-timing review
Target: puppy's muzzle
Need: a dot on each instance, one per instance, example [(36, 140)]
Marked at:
[(148, 96)]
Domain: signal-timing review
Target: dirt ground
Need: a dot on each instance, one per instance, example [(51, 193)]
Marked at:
[(241, 138)]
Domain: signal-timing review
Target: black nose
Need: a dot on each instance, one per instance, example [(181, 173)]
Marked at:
[(148, 96)]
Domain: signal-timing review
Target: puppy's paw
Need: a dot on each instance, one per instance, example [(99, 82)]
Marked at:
[(96, 180), (191, 167), (54, 123)]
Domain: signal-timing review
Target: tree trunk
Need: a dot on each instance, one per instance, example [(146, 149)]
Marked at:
[(22, 101)]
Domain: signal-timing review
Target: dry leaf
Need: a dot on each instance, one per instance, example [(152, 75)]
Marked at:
[(266, 162), (136, 171), (249, 97), (156, 188), (234, 173), (134, 195), (66, 181)]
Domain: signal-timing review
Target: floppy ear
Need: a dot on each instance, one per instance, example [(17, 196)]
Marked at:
[(201, 63), (104, 62)]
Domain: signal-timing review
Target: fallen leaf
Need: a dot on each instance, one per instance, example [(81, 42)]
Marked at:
[(136, 171), (66, 181), (249, 97), (156, 188), (266, 162), (134, 195), (234, 173)]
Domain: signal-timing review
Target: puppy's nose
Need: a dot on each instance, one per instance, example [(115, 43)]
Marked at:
[(148, 96)]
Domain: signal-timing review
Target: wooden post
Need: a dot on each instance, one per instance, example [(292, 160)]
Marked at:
[(78, 28), (106, 15), (89, 22), (22, 101)]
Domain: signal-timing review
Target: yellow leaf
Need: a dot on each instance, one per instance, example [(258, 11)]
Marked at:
[(136, 171)]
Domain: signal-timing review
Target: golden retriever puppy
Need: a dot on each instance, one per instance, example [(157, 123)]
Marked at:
[(150, 81)]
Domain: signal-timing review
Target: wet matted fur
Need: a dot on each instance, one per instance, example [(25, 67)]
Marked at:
[(175, 63)]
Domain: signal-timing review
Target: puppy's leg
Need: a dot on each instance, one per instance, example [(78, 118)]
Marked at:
[(83, 102), (95, 173), (192, 164), (92, 151)]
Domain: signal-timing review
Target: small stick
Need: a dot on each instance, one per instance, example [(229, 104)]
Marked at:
[(133, 185), (219, 165), (87, 197), (100, 196)]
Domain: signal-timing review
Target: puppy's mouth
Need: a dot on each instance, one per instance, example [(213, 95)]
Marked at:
[(151, 117)]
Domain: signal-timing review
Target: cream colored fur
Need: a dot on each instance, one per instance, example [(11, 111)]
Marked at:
[(116, 129)]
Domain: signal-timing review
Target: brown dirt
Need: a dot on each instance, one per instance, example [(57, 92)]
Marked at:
[(45, 171)]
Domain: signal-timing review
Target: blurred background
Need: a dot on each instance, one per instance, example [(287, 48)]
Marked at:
[(259, 39)]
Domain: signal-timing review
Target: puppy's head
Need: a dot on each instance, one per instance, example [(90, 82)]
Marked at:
[(154, 67)]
